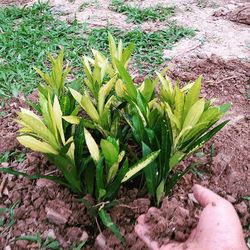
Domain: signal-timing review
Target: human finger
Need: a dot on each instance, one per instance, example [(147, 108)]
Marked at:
[(205, 196)]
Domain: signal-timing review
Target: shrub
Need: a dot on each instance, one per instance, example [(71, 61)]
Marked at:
[(109, 130)]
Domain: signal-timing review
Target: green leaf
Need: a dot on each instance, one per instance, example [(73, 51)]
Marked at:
[(145, 161), (86, 104), (225, 107), (176, 177), (34, 177), (69, 170), (107, 221), (100, 190), (33, 122), (104, 92), (53, 245), (160, 191), (147, 89), (58, 118), (109, 151), (179, 105), (203, 139), (176, 158), (130, 87), (32, 238), (79, 140), (149, 171), (194, 114), (127, 52), (192, 96), (115, 186)]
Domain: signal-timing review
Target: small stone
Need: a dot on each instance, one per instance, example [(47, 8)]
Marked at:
[(84, 236), (73, 233), (50, 233), (22, 244), (58, 212), (231, 199), (241, 208), (44, 183), (100, 243), (55, 217), (4, 164)]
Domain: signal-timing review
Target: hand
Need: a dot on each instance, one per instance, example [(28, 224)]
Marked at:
[(218, 228)]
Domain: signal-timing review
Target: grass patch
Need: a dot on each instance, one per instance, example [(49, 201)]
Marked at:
[(15, 155), (137, 15), (28, 34), (7, 218), (148, 54)]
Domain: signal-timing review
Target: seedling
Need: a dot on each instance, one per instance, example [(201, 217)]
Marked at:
[(48, 243), (110, 131)]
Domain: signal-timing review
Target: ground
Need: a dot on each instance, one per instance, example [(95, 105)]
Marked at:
[(219, 51)]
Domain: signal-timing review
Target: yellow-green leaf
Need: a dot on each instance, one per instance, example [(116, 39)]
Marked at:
[(36, 145), (86, 104), (120, 88), (34, 123), (192, 96), (72, 119), (92, 146), (58, 118), (103, 93), (194, 113), (140, 165)]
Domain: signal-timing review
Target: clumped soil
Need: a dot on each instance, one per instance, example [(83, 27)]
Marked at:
[(15, 2), (50, 209)]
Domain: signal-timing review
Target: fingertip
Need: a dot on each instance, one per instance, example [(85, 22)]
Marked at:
[(205, 196)]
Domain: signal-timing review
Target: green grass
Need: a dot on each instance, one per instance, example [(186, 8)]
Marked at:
[(148, 54), (15, 155), (6, 224), (138, 15), (28, 34)]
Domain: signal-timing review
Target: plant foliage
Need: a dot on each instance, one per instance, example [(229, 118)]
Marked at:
[(109, 130)]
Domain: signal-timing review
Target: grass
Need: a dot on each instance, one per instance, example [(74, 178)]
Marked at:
[(48, 242), (15, 155), (148, 54), (6, 224), (28, 34), (138, 15)]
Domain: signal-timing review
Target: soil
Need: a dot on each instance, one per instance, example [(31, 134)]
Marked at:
[(14, 2), (45, 207)]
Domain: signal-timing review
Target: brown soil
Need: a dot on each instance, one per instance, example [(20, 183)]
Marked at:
[(52, 210), (239, 15), (15, 2)]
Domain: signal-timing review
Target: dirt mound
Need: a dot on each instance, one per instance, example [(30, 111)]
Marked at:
[(240, 14)]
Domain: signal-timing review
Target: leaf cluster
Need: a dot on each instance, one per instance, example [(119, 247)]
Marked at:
[(108, 131)]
